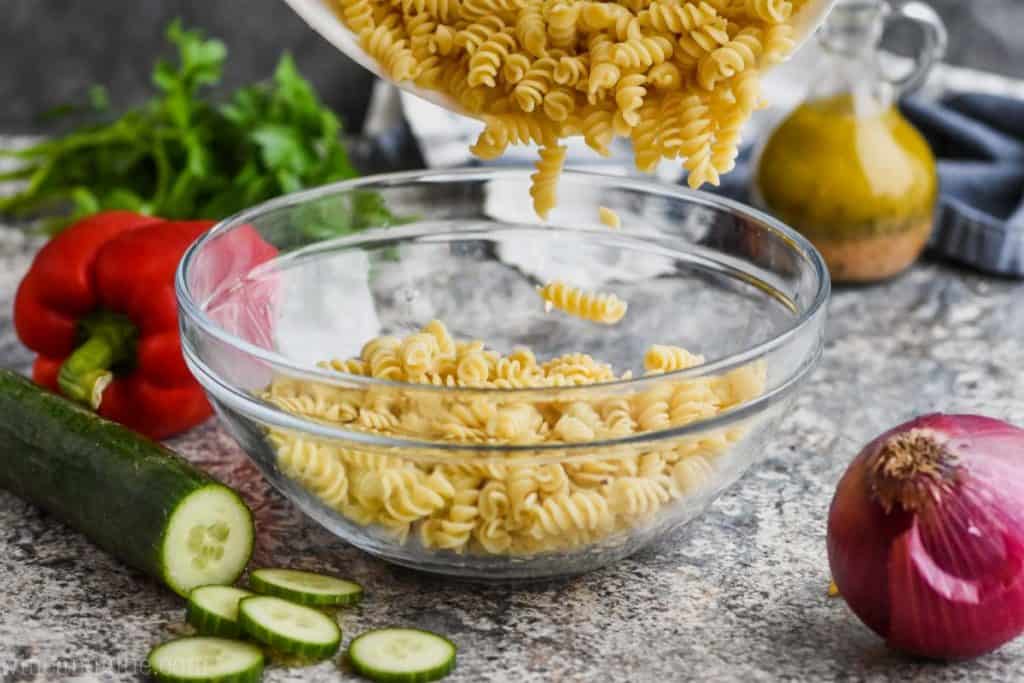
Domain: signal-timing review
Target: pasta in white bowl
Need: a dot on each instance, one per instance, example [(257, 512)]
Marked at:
[(677, 77)]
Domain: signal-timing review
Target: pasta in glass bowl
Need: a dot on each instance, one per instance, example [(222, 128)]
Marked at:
[(442, 380)]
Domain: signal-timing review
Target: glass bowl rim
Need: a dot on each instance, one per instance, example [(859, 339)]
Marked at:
[(190, 308)]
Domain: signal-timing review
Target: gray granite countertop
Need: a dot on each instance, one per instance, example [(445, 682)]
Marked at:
[(740, 594)]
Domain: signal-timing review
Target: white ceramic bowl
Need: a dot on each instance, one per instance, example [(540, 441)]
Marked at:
[(322, 19)]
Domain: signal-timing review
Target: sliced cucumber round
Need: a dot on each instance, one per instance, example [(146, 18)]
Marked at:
[(209, 660), (305, 588), (402, 655), (208, 540), (213, 610), (288, 627)]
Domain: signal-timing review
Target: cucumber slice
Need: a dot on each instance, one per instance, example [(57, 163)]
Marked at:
[(213, 610), (210, 660), (209, 539), (402, 655), (305, 588), (288, 627)]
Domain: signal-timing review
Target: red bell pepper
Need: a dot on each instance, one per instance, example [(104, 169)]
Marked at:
[(98, 306)]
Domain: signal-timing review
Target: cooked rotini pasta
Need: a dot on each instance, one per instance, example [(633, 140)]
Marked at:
[(771, 11), (739, 54), (545, 180), (512, 506), (606, 309), (609, 217), (537, 71), (659, 359)]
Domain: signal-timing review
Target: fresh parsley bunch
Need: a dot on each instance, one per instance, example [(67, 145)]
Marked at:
[(181, 156)]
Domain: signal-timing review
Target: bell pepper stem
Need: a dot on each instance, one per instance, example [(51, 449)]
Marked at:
[(86, 373)]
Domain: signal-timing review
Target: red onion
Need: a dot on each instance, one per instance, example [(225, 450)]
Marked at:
[(926, 535)]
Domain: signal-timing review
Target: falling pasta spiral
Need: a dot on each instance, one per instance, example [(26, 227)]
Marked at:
[(545, 180), (606, 309)]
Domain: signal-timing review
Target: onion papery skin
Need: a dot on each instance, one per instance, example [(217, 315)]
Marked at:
[(941, 575)]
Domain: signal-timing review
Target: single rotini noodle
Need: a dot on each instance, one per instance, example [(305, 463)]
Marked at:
[(778, 43), (531, 29), (559, 104), (454, 529), (485, 62), (620, 23), (733, 9), (515, 68), (562, 19), (629, 95), (617, 415), (420, 29), (737, 55), (661, 358), (697, 134), (607, 309), (419, 354), (642, 53), (384, 43), (493, 536), (572, 71), (515, 424), (315, 466), (695, 45), (677, 16), (673, 125), (506, 9), (358, 15), (599, 131), (609, 217), (476, 34), (665, 76), (692, 473), (442, 42), (635, 497), (604, 73), (569, 514), (529, 92), (578, 365), (645, 135), (545, 181), (771, 11), (445, 11)]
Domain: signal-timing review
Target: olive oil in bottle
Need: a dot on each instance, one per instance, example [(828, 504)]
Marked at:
[(846, 168)]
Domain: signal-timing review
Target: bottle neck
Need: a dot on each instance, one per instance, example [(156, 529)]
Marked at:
[(850, 40)]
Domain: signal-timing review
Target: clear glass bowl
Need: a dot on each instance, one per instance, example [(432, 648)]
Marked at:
[(272, 292)]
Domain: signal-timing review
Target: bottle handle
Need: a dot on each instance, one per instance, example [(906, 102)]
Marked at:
[(935, 40)]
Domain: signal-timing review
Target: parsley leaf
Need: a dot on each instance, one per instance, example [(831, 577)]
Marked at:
[(181, 155)]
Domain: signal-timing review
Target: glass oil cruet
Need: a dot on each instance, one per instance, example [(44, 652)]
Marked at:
[(846, 168)]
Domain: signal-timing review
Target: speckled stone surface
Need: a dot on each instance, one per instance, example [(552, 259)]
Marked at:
[(739, 595)]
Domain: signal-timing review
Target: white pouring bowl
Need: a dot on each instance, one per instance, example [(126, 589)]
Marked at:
[(322, 19)]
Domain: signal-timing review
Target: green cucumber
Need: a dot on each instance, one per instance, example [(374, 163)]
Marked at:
[(209, 660), (402, 655), (288, 627), (213, 610), (305, 588), (137, 500)]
